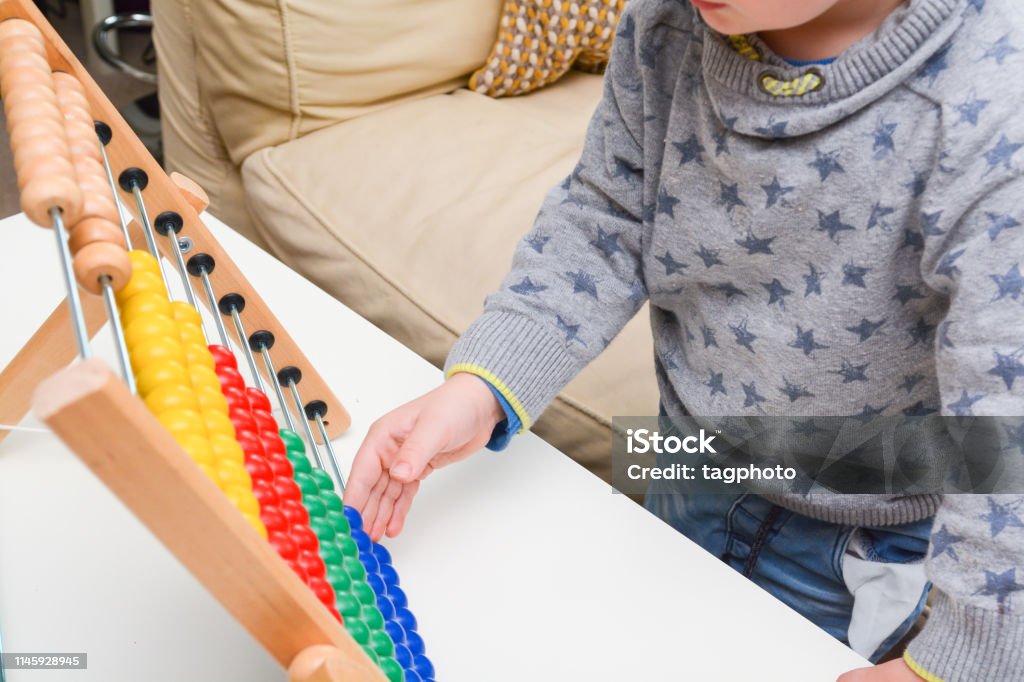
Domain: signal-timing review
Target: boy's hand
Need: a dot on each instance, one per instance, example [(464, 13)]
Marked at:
[(401, 448), (893, 671)]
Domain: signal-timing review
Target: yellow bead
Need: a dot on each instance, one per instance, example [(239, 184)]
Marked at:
[(231, 474), (143, 261), (196, 354), (182, 421), (160, 373), (171, 397), (156, 351), (226, 449), (198, 449), (209, 471), (184, 312), (212, 400), (255, 522), (243, 499), (148, 327), (141, 283), (143, 304), (218, 423), (201, 375), (191, 334)]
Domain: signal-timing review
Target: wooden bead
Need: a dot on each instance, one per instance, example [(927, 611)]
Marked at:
[(71, 96), (35, 147), (101, 259), (86, 167), (44, 167), (22, 135), (90, 230), (95, 205), (11, 59), (29, 93), (32, 111), (21, 76), (20, 44), (19, 27), (87, 149), (44, 193), (76, 113)]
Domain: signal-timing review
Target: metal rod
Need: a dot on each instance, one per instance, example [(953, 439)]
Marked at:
[(332, 456), (74, 302), (147, 231), (118, 332), (211, 299), (172, 237), (305, 424), (117, 202), (272, 374), (242, 341)]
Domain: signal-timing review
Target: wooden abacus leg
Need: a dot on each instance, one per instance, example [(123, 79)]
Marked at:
[(321, 663), (124, 445)]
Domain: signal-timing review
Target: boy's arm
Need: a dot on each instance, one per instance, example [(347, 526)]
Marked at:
[(576, 278), (976, 557)]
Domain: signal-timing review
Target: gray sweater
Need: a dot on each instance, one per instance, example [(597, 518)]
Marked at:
[(839, 240)]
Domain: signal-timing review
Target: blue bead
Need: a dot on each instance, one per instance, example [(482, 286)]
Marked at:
[(376, 583), (390, 575), (395, 631), (405, 617), (423, 665), (386, 606), (397, 595), (370, 563), (414, 642), (354, 519), (403, 655), (382, 554), (412, 676), (362, 539)]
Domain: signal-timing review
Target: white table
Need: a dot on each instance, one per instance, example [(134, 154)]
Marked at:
[(519, 565)]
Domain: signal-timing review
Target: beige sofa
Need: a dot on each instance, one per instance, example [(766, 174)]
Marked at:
[(338, 135)]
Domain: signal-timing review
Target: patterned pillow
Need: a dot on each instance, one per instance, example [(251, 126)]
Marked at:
[(539, 40)]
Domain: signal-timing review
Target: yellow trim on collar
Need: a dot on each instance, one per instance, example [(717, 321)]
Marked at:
[(918, 670), (741, 44), (801, 85), (506, 393)]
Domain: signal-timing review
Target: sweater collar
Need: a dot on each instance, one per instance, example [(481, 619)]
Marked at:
[(755, 92)]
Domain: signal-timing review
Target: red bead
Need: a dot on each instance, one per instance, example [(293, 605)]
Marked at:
[(334, 612), (274, 520), (223, 357), (312, 564), (243, 421), (251, 445), (322, 589), (231, 378), (298, 569), (258, 400), (279, 463), (286, 489), (235, 397), (295, 512), (265, 421), (262, 477), (282, 544), (273, 444), (261, 487), (305, 539)]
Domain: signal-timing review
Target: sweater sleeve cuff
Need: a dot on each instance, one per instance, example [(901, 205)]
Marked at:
[(524, 360), (962, 642)]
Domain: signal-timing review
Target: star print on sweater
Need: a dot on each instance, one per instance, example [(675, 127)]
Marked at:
[(852, 250)]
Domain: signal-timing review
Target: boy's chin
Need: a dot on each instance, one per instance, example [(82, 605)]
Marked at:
[(727, 22)]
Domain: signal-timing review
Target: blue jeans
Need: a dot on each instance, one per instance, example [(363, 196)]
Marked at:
[(797, 559)]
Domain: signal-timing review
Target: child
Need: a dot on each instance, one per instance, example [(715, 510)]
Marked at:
[(822, 201)]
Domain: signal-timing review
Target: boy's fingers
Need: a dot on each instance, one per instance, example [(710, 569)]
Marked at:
[(366, 468), (387, 505), (402, 506), (373, 501), (427, 438)]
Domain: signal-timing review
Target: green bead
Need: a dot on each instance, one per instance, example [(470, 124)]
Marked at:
[(331, 555), (314, 505), (381, 643), (358, 629), (354, 568), (372, 654), (364, 593), (292, 441), (323, 480), (339, 523), (347, 545), (333, 502), (347, 604), (391, 669), (338, 579), (373, 618), (322, 527), (306, 484), (299, 463)]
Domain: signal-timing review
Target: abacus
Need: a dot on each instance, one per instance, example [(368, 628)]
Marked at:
[(180, 438)]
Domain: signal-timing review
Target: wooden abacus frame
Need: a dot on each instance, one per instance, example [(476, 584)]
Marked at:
[(51, 347), (114, 434)]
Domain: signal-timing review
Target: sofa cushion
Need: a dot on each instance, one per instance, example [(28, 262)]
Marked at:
[(273, 70), (410, 216)]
